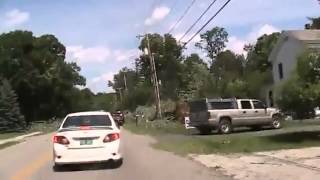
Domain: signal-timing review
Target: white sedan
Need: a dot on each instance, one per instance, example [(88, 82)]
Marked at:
[(86, 137)]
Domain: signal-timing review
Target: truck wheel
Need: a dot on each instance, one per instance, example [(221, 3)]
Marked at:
[(204, 131), (276, 123), (225, 126)]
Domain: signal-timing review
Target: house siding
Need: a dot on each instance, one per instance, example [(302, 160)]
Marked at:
[(287, 56)]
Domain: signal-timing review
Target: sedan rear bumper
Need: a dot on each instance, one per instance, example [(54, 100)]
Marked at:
[(60, 159), (64, 155)]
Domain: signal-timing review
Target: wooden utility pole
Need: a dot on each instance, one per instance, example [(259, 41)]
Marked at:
[(125, 81), (154, 77), (120, 94)]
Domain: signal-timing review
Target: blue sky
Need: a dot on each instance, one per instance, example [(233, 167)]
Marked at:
[(100, 35)]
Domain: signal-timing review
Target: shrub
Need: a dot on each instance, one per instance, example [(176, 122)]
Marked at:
[(301, 93)]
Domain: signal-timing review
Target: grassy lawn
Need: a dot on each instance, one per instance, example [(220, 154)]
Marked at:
[(173, 137)]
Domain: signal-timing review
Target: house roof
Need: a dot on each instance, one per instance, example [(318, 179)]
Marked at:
[(305, 36)]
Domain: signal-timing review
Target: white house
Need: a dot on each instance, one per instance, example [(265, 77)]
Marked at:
[(285, 54)]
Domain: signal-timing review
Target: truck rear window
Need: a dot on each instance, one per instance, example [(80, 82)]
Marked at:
[(92, 120), (222, 105), (197, 106)]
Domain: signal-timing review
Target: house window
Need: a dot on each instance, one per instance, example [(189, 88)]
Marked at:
[(280, 70)]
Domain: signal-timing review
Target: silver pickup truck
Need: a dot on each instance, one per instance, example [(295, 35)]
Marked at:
[(224, 114)]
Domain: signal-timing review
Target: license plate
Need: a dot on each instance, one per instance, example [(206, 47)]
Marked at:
[(86, 142)]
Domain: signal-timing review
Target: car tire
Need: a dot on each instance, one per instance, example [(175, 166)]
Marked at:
[(117, 163), (225, 126), (204, 131), (276, 122), (58, 168)]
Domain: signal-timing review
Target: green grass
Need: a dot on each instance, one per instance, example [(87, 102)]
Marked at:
[(173, 137), (44, 127), (35, 127), (8, 144), (10, 135)]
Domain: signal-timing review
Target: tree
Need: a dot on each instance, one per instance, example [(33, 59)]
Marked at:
[(11, 118), (257, 68), (213, 42), (36, 69), (167, 57), (315, 23), (196, 79), (258, 54)]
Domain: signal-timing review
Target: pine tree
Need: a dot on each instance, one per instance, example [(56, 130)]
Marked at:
[(11, 118)]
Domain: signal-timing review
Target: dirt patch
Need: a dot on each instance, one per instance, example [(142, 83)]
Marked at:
[(294, 164)]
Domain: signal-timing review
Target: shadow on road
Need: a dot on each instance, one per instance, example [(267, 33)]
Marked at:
[(235, 131), (88, 167)]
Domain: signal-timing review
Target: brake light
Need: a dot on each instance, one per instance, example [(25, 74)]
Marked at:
[(111, 137), (85, 127), (60, 140)]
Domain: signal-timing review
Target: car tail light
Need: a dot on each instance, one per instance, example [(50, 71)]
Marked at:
[(60, 140), (85, 127), (111, 137)]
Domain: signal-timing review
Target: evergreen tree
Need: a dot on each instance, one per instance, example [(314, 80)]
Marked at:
[(10, 115)]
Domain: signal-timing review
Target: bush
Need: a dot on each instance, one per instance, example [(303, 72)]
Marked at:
[(301, 93), (296, 98)]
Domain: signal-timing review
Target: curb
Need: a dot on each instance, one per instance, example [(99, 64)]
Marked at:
[(19, 138)]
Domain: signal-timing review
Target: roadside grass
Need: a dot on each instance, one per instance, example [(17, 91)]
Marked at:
[(173, 137), (44, 127), (8, 144), (10, 135), (40, 126)]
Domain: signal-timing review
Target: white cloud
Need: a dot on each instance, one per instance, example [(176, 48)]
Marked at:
[(88, 55), (99, 54), (98, 60), (123, 55), (265, 29), (158, 14), (100, 83), (236, 44), (16, 17)]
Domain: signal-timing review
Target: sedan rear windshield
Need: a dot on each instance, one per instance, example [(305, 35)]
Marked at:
[(92, 120)]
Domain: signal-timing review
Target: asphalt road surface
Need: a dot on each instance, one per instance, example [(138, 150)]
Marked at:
[(32, 159)]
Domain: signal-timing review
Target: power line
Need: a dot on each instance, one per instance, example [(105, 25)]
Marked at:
[(199, 18), (225, 4), (182, 16)]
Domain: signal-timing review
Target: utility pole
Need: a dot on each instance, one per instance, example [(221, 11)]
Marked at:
[(120, 94), (154, 77), (125, 81)]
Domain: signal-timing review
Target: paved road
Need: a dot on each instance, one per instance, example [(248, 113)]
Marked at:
[(32, 160)]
